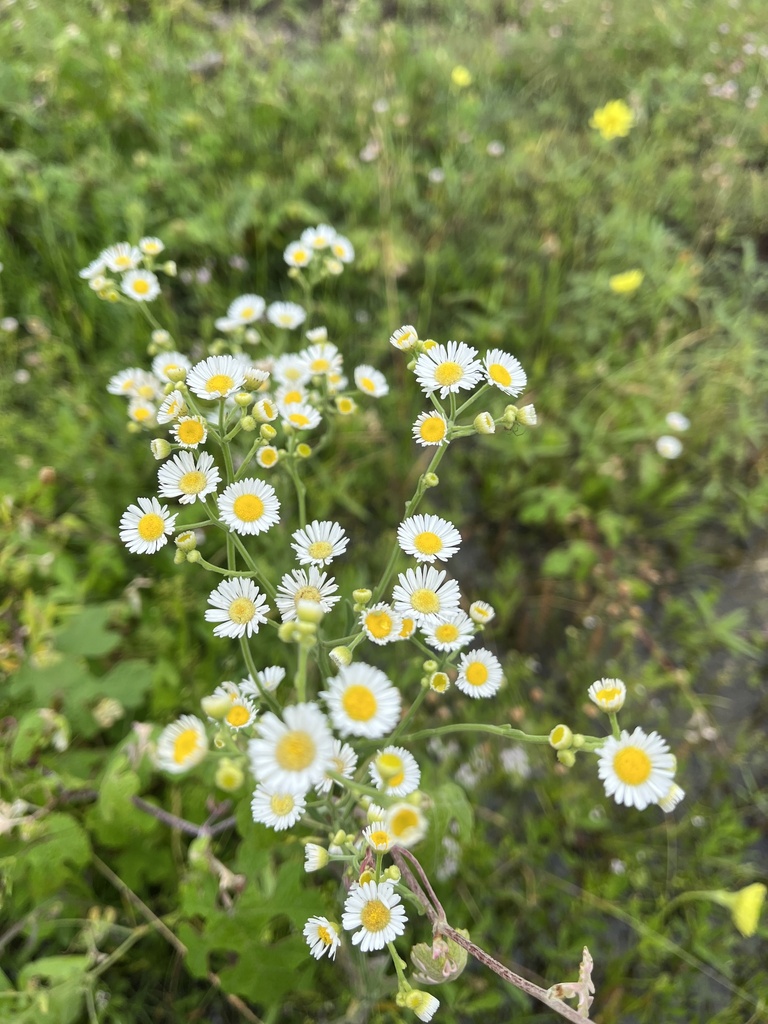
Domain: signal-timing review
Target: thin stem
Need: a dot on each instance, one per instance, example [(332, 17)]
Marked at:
[(417, 702), (188, 827), (497, 730)]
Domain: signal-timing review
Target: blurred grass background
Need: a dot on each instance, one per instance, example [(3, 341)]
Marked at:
[(492, 214)]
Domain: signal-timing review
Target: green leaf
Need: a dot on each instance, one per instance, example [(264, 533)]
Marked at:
[(87, 633), (58, 847)]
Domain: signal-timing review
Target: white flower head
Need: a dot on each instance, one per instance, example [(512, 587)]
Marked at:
[(291, 370), (146, 526), (405, 338), (322, 937), (267, 456), (94, 269), (362, 701), (305, 585), (316, 334), (423, 1004), (315, 857), (406, 823), (343, 249), (168, 362), (378, 837), (140, 285), (395, 771), (677, 421), (449, 632), (637, 769), (481, 612), (240, 714), (428, 537), (187, 478), (142, 411), (322, 359), (286, 314), (425, 592), (120, 257), (190, 431), (276, 809), (150, 245), (504, 372), (216, 377), (608, 694), (370, 381), (430, 428), (673, 797), (171, 408), (343, 761), (135, 383), (181, 745), (448, 369), (480, 673), (268, 679), (238, 606), (319, 543), (373, 908), (381, 623), (669, 447), (249, 506), (297, 254), (301, 416), (245, 309), (292, 753), (321, 237)]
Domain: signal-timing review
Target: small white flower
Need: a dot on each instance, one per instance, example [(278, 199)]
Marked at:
[(238, 607), (297, 254), (291, 755), (480, 673), (381, 623), (343, 249), (301, 416), (95, 268), (267, 456), (378, 837), (120, 257), (240, 714), (430, 428), (395, 771), (428, 538), (141, 285), (677, 421), (404, 338), (316, 334), (190, 431), (504, 372), (291, 370), (423, 1004), (448, 369), (216, 377), (322, 359), (181, 745), (146, 526), (269, 679), (134, 383), (151, 246), (172, 407), (286, 314), (669, 447), (322, 937), (636, 770), (449, 632), (424, 592), (343, 761), (320, 237), (242, 311), (608, 694), (673, 797), (249, 506), (526, 415), (362, 701), (319, 543), (481, 612), (275, 809), (142, 411), (370, 381), (407, 824), (373, 908), (188, 479), (167, 362), (315, 857), (305, 585)]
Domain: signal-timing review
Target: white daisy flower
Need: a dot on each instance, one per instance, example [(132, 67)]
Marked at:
[(291, 755), (408, 628), (146, 526), (405, 338), (480, 673), (504, 372), (120, 257), (127, 382), (381, 623), (343, 249), (94, 269), (286, 314), (423, 1004), (249, 506), (185, 478), (305, 585), (322, 937), (319, 543), (362, 701), (291, 370), (320, 237), (269, 678), (424, 592), (677, 421), (343, 761), (190, 431), (267, 456), (374, 908), (301, 416), (172, 407), (669, 447), (608, 694), (142, 411), (315, 857), (181, 745), (406, 823), (151, 246), (370, 381), (276, 809), (240, 715), (317, 334), (141, 285), (448, 368), (216, 377), (430, 428), (449, 632), (428, 537), (526, 415), (244, 310), (481, 612), (636, 770), (378, 837), (322, 359), (673, 797), (167, 362), (297, 254), (345, 405), (395, 771), (288, 395), (238, 607)]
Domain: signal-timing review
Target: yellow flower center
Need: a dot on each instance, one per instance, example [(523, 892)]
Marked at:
[(391, 769), (190, 432), (379, 624), (476, 673), (403, 820), (185, 745), (219, 382), (248, 508), (140, 286), (238, 716), (320, 549), (295, 751), (320, 366), (608, 694), (293, 397), (142, 413), (408, 627), (367, 384), (500, 375), (151, 526), (345, 406), (427, 543), (448, 373), (242, 610), (192, 482), (359, 703), (375, 916), (282, 805), (267, 457), (558, 734), (379, 838), (146, 391), (324, 935), (432, 429), (446, 633), (632, 765), (425, 601), (307, 594), (247, 313), (123, 261), (298, 419)]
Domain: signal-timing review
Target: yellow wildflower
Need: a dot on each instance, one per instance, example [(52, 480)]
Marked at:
[(614, 120), (461, 77), (626, 283)]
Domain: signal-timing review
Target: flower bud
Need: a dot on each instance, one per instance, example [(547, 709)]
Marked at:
[(567, 758), (484, 424), (392, 873), (229, 775), (340, 656), (309, 611), (345, 405), (431, 479), (243, 399), (527, 416), (161, 338), (334, 267), (362, 596), (248, 423), (217, 706), (186, 541), (267, 433), (194, 557), (561, 737), (439, 682), (303, 451), (176, 374), (286, 632), (107, 712), (169, 268), (160, 448)]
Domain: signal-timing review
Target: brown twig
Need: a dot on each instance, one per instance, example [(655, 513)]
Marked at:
[(181, 824)]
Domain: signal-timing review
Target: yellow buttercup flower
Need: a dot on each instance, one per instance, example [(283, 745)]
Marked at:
[(461, 77), (614, 120), (626, 283)]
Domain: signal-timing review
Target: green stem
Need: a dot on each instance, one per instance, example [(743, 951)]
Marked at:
[(300, 680), (254, 674), (408, 715), (496, 730)]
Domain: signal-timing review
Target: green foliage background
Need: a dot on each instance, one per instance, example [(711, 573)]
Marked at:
[(225, 129)]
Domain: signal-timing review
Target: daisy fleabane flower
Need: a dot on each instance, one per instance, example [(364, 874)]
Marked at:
[(167, 362), (428, 538), (292, 753), (188, 479), (381, 623), (405, 338), (637, 769), (320, 237), (608, 694), (425, 592), (305, 585), (322, 937), (190, 431), (286, 314), (151, 246), (373, 908), (423, 1004), (290, 370), (94, 269), (480, 673), (342, 249), (315, 857), (120, 257), (449, 632), (249, 506), (301, 416), (172, 407), (134, 383), (370, 381), (430, 428), (146, 526), (216, 377), (378, 837), (243, 310), (238, 606), (362, 701), (181, 745), (319, 543), (322, 359), (297, 254), (268, 679), (481, 612), (140, 285), (395, 771), (448, 368), (407, 824), (276, 809), (504, 372), (240, 714), (343, 761)]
